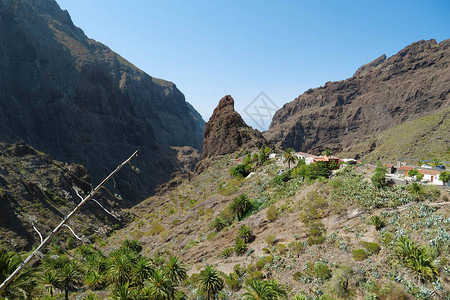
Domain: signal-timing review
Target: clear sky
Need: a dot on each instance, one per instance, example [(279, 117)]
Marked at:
[(282, 48)]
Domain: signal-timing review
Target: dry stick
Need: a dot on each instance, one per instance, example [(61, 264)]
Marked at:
[(55, 231)]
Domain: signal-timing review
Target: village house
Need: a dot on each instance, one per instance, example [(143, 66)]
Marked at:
[(327, 159), (403, 170), (309, 158), (390, 168), (431, 176)]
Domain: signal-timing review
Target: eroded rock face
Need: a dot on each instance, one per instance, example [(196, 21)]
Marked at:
[(226, 131), (75, 99), (382, 94)]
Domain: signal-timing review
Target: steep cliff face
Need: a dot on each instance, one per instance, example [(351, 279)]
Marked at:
[(226, 131), (382, 94), (77, 100)]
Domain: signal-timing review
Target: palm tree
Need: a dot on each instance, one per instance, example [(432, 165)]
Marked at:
[(142, 270), (289, 156), (415, 188), (175, 270), (51, 280), (259, 290), (240, 206), (158, 286), (265, 290), (122, 292), (70, 277), (120, 269), (23, 284), (133, 245), (210, 282), (94, 279)]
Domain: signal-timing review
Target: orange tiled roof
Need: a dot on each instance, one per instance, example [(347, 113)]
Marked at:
[(406, 168), (429, 172)]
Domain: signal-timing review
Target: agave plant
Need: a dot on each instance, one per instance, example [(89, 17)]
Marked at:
[(377, 221)]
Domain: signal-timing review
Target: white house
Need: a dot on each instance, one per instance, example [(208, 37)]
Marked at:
[(431, 176), (309, 158)]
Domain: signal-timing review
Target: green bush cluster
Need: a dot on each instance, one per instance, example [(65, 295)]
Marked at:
[(416, 257), (359, 254)]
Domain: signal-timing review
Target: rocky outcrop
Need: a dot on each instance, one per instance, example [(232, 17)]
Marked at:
[(226, 131), (382, 94), (75, 99)]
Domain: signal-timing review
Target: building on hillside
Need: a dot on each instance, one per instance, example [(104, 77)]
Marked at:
[(327, 159), (403, 170), (309, 158), (431, 176), (390, 168)]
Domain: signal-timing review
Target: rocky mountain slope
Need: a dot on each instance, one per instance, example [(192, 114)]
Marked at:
[(226, 131), (77, 100), (34, 189), (382, 94), (426, 138)]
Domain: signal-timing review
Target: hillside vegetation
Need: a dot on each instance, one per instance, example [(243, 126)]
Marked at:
[(291, 234), (410, 140)]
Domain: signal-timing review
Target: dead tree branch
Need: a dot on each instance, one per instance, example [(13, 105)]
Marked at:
[(63, 222)]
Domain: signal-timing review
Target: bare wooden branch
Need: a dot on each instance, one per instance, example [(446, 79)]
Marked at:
[(108, 212), (63, 222), (83, 239), (35, 229)]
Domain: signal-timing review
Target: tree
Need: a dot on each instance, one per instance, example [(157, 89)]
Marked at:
[(246, 234), (133, 245), (122, 292), (327, 152), (51, 280), (175, 270), (210, 282), (415, 188), (289, 157), (70, 277), (142, 270), (413, 172), (22, 285), (259, 289), (159, 286), (241, 170), (378, 179), (444, 176), (240, 206)]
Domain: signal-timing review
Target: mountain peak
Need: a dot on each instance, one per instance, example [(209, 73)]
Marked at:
[(226, 131)]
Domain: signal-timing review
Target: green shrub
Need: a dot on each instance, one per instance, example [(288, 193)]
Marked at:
[(296, 247), (227, 252), (246, 234), (322, 271), (271, 240), (241, 170), (281, 249), (240, 206), (233, 282), (265, 250), (372, 248), (252, 276), (284, 177), (359, 254), (340, 281), (379, 179), (240, 247), (297, 275), (272, 213), (156, 228), (259, 265), (387, 238)]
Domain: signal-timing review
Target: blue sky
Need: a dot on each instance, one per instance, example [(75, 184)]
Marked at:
[(282, 48)]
